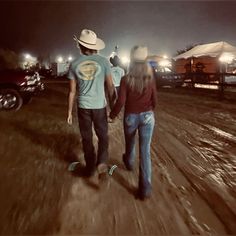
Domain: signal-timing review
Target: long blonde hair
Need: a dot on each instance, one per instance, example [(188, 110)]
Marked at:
[(139, 77)]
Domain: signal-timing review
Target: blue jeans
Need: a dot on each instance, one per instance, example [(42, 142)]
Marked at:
[(143, 123), (87, 119)]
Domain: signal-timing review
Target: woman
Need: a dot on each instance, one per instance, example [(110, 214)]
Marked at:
[(138, 95)]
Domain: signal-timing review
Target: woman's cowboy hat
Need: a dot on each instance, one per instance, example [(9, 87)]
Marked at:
[(139, 53), (89, 40)]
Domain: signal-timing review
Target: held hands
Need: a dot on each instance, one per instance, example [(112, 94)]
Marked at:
[(110, 120)]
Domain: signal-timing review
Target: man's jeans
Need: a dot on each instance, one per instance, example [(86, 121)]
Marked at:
[(87, 119), (143, 122)]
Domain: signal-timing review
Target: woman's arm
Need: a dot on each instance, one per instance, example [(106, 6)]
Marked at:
[(111, 90)]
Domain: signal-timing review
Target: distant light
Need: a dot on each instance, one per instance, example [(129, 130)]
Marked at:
[(165, 56), (125, 60), (60, 59), (27, 56), (70, 58), (226, 58), (164, 63)]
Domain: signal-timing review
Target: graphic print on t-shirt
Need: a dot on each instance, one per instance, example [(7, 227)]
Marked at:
[(88, 70)]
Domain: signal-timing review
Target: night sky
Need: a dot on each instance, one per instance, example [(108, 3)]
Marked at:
[(47, 27)]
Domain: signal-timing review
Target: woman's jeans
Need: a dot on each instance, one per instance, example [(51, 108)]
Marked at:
[(143, 123), (87, 119)]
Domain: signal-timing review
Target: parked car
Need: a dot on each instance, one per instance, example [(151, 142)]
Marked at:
[(230, 78), (17, 88), (164, 76), (169, 79)]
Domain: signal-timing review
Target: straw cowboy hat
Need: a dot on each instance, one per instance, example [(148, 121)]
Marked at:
[(139, 53), (89, 39)]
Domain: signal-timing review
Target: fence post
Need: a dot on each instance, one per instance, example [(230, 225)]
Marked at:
[(221, 88), (192, 80)]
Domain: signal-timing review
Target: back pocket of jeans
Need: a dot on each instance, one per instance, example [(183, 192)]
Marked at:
[(129, 120), (148, 118)]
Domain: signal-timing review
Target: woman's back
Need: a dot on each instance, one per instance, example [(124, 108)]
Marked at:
[(137, 90), (137, 101)]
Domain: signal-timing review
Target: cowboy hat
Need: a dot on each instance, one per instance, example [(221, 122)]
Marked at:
[(115, 61), (139, 53), (89, 39)]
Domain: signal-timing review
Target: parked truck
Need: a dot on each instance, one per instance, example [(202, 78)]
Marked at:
[(17, 88)]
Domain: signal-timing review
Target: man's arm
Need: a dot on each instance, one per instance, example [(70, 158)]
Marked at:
[(71, 99), (112, 95)]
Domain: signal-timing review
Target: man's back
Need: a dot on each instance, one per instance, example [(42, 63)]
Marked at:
[(90, 72), (117, 74)]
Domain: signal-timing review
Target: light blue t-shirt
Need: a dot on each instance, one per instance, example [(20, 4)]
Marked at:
[(117, 74), (90, 72)]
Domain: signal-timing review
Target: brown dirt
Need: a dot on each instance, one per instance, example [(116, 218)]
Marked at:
[(193, 163)]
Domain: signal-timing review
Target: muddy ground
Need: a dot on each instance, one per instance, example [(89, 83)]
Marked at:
[(193, 163)]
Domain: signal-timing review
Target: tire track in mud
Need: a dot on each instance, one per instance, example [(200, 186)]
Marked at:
[(184, 131), (181, 192)]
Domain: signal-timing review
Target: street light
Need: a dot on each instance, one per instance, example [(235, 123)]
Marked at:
[(165, 63), (60, 59), (27, 60), (226, 58), (70, 58), (27, 56), (125, 60)]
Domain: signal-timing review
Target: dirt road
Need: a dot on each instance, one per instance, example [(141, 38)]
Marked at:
[(193, 165)]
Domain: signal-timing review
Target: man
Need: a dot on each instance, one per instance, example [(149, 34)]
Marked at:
[(91, 73), (116, 71)]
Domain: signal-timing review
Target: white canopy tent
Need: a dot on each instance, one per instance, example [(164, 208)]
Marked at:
[(218, 49)]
